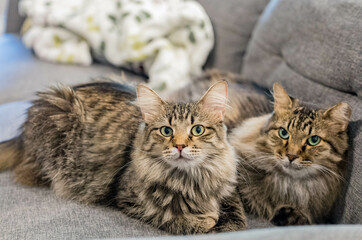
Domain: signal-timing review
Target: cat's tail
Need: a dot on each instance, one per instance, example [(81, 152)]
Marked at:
[(11, 153)]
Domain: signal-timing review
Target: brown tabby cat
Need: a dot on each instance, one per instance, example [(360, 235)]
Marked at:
[(168, 164), (291, 160)]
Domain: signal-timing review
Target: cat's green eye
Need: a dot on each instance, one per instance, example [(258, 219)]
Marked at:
[(283, 133), (197, 130), (166, 131), (314, 140)]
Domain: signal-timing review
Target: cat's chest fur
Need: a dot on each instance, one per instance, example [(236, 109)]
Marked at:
[(161, 200), (286, 189), (264, 193)]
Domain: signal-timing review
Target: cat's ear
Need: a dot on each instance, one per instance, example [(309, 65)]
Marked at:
[(215, 100), (149, 102), (339, 115), (282, 101)]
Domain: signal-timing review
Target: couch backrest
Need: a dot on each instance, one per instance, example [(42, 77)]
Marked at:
[(13, 19), (313, 48), (233, 22)]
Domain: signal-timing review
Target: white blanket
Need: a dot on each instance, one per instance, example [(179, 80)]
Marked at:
[(169, 40)]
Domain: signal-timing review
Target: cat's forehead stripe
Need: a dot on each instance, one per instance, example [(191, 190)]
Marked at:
[(302, 120), (181, 111)]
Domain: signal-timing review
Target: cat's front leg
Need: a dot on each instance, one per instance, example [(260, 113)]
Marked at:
[(232, 215), (287, 215), (191, 224)]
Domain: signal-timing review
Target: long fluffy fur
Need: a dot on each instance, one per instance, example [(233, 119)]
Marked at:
[(295, 192), (11, 153)]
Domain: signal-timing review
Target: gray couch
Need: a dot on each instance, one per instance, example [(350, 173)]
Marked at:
[(312, 47)]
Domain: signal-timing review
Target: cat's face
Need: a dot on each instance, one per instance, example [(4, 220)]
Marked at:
[(303, 140), (184, 135)]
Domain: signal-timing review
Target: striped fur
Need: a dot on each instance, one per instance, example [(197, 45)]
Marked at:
[(90, 144), (299, 189)]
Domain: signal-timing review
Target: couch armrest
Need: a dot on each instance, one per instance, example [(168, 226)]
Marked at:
[(13, 19)]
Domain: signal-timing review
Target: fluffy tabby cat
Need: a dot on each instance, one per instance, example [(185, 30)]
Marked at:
[(168, 164), (291, 160)]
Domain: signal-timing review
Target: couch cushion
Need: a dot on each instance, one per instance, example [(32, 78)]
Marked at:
[(233, 22), (22, 74), (313, 48), (320, 40), (321, 232), (36, 213)]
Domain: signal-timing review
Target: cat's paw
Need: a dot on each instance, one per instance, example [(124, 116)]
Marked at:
[(205, 225), (230, 223), (192, 224), (228, 227), (289, 216)]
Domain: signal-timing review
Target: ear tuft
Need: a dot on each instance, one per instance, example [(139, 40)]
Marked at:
[(215, 100), (149, 102), (339, 114), (282, 101)]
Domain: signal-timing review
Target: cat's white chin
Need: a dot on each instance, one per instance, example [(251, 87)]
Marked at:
[(295, 169), (184, 163), (183, 160)]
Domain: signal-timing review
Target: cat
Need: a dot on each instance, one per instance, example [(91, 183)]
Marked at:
[(291, 160), (167, 164)]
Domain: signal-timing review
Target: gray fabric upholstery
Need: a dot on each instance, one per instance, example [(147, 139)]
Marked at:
[(324, 232), (35, 213), (313, 48), (22, 74), (14, 20), (233, 22), (320, 40)]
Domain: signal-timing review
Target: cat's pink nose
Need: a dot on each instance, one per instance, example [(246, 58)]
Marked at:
[(291, 157), (180, 147)]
